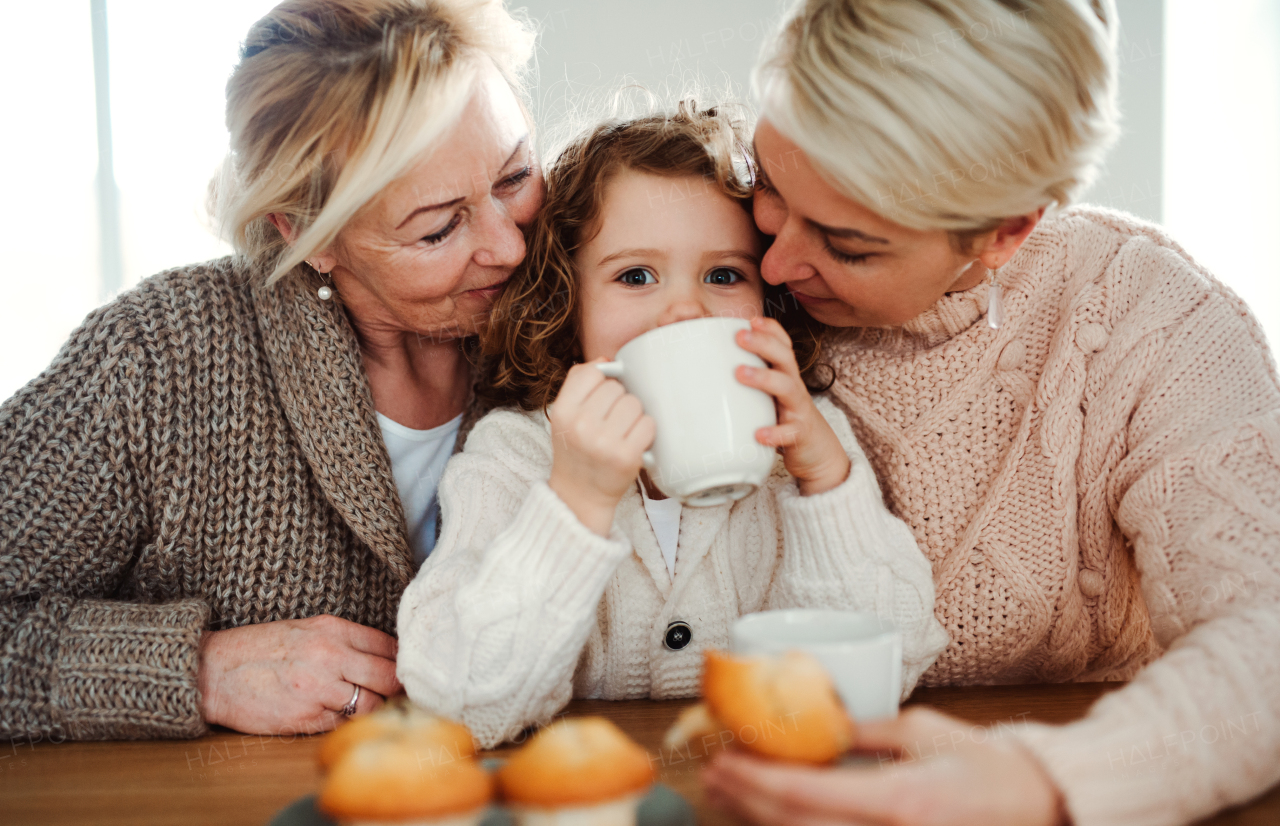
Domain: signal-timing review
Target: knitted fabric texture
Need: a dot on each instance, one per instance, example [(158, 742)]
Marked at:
[(521, 607), (202, 454), (1095, 484)]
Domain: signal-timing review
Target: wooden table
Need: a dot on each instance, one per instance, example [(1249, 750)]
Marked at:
[(228, 778)]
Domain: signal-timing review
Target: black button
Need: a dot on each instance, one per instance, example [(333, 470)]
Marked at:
[(679, 634)]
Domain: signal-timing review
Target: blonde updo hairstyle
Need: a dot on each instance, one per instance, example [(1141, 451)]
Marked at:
[(946, 114), (334, 99)]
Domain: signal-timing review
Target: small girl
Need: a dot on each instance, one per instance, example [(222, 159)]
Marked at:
[(560, 570)]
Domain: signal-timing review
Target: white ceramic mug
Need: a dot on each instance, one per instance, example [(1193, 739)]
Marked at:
[(861, 652), (705, 451)]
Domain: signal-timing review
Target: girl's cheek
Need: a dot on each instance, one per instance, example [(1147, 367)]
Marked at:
[(745, 306), (751, 300)]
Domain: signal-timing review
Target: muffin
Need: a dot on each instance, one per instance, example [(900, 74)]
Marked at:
[(402, 765), (580, 772), (782, 707), (388, 780), (443, 739)]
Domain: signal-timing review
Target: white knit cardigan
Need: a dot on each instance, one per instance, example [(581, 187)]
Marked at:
[(521, 607)]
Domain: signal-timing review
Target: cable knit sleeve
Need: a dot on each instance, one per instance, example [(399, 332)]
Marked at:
[(73, 662), (844, 549), (492, 627), (1196, 409)]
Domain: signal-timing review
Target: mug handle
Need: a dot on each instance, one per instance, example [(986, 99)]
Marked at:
[(613, 370)]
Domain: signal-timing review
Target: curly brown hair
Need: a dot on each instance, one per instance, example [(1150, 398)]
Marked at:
[(532, 336)]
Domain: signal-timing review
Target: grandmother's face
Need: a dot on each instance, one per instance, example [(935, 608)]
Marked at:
[(431, 251), (846, 265)]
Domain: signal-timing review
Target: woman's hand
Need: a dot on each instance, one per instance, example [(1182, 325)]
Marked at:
[(293, 675), (810, 449), (954, 780), (599, 433)]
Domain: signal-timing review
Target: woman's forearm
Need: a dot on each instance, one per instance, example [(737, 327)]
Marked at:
[(1196, 730), (1199, 728), (100, 669), (73, 499)]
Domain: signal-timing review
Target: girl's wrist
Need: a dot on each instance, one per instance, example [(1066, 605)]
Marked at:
[(593, 510), (828, 478)]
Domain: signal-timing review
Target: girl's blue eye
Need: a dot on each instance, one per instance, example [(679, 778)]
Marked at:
[(637, 277), (722, 276)]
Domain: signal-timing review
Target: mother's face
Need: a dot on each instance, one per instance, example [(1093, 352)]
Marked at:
[(848, 266), (431, 251)]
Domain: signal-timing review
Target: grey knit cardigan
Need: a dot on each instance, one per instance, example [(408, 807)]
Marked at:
[(202, 454)]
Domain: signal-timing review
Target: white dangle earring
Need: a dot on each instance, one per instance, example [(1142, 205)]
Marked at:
[(995, 307), (325, 292)]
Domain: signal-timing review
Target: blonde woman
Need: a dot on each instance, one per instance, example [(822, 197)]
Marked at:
[(1080, 424), (213, 498)]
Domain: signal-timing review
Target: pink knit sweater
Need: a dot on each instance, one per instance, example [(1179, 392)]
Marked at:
[(1097, 487)]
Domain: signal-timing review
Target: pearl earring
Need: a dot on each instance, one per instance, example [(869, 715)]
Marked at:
[(325, 292), (995, 307)]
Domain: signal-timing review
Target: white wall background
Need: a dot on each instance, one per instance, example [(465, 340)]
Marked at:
[(589, 49), (1200, 90), (1222, 144), (1133, 179)]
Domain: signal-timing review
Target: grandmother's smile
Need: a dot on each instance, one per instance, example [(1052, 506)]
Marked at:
[(490, 291)]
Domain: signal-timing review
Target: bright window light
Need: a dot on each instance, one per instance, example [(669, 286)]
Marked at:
[(169, 67), (1222, 144), (168, 96), (48, 215)]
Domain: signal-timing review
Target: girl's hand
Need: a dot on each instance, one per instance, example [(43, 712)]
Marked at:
[(810, 449), (599, 433), (293, 676), (962, 782)]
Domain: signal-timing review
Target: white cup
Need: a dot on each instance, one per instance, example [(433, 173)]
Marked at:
[(861, 652), (705, 451)]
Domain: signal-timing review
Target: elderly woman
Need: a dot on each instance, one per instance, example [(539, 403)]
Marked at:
[(213, 498), (1081, 425)]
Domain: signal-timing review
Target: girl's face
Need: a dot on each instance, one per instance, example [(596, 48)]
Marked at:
[(669, 249)]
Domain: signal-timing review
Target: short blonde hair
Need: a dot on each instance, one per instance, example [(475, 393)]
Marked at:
[(334, 99), (946, 114)]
